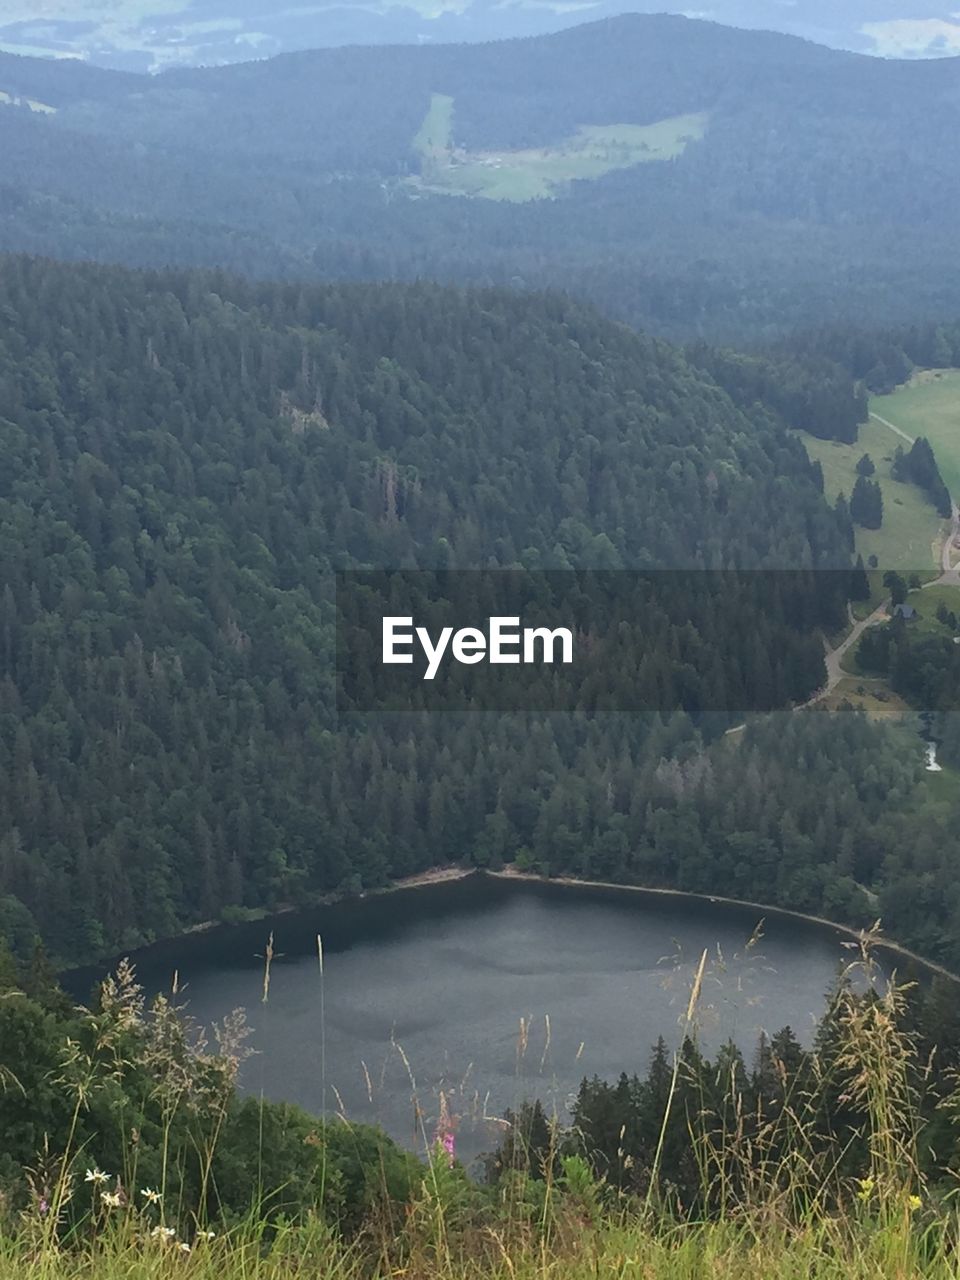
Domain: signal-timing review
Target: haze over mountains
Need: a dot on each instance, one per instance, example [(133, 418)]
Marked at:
[(690, 178), (149, 35)]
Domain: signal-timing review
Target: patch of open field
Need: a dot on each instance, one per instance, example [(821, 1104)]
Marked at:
[(909, 538), (926, 602), (929, 405), (540, 172), (874, 697), (13, 100), (432, 140)]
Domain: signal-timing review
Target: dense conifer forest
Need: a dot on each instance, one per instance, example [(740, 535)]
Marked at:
[(188, 459)]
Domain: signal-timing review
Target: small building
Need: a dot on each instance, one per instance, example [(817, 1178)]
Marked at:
[(905, 611)]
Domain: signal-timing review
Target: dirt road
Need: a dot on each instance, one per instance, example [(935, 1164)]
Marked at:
[(896, 430), (835, 672)]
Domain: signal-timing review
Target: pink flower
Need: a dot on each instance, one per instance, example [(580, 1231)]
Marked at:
[(444, 1137)]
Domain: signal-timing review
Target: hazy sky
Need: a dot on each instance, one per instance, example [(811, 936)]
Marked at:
[(151, 34)]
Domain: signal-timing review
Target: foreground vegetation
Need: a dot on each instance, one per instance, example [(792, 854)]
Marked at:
[(125, 1151), (825, 1250)]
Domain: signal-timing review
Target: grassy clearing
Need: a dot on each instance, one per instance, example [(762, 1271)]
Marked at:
[(40, 108), (925, 601), (433, 136), (539, 172), (929, 405), (872, 696), (910, 535)]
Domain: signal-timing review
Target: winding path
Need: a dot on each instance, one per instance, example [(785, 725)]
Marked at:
[(949, 573), (834, 657), (949, 577)]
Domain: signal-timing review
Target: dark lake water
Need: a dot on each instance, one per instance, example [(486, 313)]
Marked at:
[(445, 974)]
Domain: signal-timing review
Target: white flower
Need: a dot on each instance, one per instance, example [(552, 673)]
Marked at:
[(151, 1196), (184, 1246), (111, 1199), (162, 1233), (206, 1235), (97, 1176)]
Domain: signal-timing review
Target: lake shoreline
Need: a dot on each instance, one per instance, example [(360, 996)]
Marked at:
[(451, 873), (204, 928), (885, 944)]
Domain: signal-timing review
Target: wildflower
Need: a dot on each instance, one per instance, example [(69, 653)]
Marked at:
[(866, 1189), (112, 1199), (184, 1247), (44, 1207), (206, 1235), (162, 1233), (151, 1196), (96, 1176), (914, 1203), (444, 1136)]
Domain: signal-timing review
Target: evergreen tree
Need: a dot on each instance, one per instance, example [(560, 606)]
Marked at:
[(866, 503)]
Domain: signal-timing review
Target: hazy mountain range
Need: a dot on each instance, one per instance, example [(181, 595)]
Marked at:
[(149, 35), (689, 177)]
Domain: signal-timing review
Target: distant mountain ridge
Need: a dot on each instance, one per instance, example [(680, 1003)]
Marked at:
[(820, 187), (129, 36)]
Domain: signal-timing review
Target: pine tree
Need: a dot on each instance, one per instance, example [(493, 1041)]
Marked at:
[(866, 503)]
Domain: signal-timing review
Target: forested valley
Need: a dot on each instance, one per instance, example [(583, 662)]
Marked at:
[(189, 459)]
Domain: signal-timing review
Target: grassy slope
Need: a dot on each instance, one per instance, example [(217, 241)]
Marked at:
[(433, 136), (925, 601), (929, 405), (911, 527), (870, 695), (591, 152)]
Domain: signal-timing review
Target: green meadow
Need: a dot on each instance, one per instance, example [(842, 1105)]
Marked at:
[(432, 140), (929, 405), (909, 538), (539, 172)]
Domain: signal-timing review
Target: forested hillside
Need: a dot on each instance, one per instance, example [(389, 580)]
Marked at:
[(188, 457), (822, 189)]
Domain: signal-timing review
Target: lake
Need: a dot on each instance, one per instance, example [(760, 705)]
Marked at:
[(439, 978)]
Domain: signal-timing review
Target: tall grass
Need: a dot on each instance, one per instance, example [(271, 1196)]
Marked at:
[(774, 1205), (823, 1249)]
